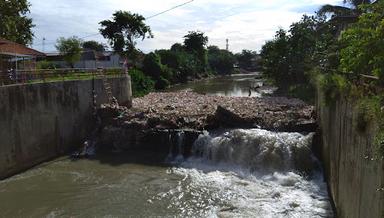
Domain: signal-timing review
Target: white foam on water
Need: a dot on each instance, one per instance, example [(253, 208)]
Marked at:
[(250, 173)]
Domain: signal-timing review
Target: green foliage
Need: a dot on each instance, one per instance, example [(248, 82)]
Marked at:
[(160, 73), (93, 46), (14, 23), (304, 92), (195, 43), (152, 65), (275, 59), (124, 30), (246, 59), (177, 47), (336, 10), (181, 63), (362, 45), (186, 62), (162, 83), (141, 84), (46, 65), (189, 67), (309, 45), (370, 110), (333, 86), (220, 61), (70, 48)]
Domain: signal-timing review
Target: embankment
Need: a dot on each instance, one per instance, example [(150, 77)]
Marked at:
[(41, 121), (355, 176)]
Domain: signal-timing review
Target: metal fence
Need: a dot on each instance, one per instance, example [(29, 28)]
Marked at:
[(12, 77)]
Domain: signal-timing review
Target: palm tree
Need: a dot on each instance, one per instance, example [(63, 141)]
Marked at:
[(336, 10)]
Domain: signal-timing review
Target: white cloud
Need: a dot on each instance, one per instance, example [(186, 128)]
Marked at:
[(247, 23)]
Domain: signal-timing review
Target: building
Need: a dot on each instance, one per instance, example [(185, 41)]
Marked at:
[(14, 56), (89, 59)]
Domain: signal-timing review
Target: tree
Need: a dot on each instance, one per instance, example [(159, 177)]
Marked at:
[(336, 10), (93, 46), (177, 47), (195, 43), (220, 60), (246, 58), (153, 67), (362, 45), (302, 45), (70, 48), (141, 83), (274, 55), (290, 56), (123, 31), (183, 65), (14, 23)]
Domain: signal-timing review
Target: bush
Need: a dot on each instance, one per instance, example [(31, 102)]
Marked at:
[(305, 92), (152, 65), (220, 61), (43, 65), (332, 85), (180, 64), (141, 84), (162, 83)]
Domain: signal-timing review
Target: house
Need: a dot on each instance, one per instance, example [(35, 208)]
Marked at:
[(89, 59), (14, 56)]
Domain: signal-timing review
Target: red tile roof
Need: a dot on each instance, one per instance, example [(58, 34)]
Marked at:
[(11, 48)]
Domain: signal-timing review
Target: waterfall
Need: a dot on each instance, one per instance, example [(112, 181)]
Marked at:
[(180, 146), (252, 173), (170, 153), (257, 150), (180, 141)]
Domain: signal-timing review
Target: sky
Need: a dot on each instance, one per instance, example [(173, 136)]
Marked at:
[(246, 23)]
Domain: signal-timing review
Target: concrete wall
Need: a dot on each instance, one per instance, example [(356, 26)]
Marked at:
[(354, 178), (41, 121)]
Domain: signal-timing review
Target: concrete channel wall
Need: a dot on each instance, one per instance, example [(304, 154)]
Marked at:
[(39, 122), (354, 176)]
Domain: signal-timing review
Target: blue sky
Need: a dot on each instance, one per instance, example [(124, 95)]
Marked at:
[(246, 23)]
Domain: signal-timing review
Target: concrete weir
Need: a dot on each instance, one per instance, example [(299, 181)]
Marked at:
[(155, 117), (41, 121)]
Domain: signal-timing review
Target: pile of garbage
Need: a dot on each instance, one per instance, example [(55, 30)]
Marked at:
[(189, 110)]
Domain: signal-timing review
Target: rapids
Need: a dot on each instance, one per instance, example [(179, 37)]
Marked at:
[(237, 173), (251, 173)]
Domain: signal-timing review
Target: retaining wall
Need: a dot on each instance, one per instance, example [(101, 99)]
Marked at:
[(39, 122), (354, 175)]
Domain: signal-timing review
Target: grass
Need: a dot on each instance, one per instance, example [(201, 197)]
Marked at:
[(60, 76)]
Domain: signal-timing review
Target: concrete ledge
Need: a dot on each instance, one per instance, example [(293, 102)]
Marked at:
[(39, 122)]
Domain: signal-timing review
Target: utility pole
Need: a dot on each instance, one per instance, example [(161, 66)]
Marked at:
[(227, 46)]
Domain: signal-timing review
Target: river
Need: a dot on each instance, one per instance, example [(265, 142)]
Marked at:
[(236, 85), (232, 173)]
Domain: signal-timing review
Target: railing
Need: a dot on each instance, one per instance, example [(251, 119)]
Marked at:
[(53, 75)]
